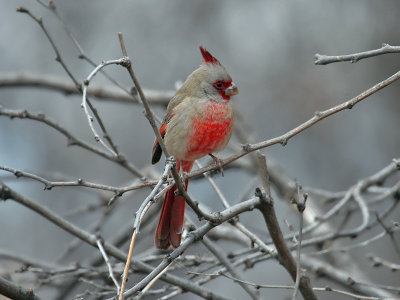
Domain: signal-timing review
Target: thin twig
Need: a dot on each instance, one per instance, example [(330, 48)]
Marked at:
[(127, 266), (342, 277), (301, 206), (353, 58), (107, 261), (52, 7), (253, 237), (72, 140), (84, 103), (317, 289), (58, 55), (377, 262), (224, 261), (148, 113), (151, 283), (139, 216)]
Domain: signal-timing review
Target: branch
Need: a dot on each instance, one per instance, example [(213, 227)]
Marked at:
[(318, 116), (97, 91), (138, 219), (217, 252), (107, 261), (266, 207), (316, 289), (13, 291), (353, 58), (301, 206), (377, 262), (72, 140), (148, 113), (193, 237), (53, 45), (342, 277), (91, 239), (85, 102)]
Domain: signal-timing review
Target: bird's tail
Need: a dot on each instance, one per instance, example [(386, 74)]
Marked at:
[(170, 224)]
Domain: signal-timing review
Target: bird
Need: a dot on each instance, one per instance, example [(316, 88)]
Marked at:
[(198, 122)]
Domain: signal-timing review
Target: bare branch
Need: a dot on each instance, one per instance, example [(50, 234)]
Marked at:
[(318, 116), (266, 207), (100, 92), (91, 239), (217, 253), (13, 291), (149, 114), (377, 262), (353, 58), (136, 227), (85, 100), (342, 277), (301, 206), (53, 45), (107, 261), (72, 140)]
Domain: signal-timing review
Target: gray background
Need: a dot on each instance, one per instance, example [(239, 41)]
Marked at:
[(267, 46)]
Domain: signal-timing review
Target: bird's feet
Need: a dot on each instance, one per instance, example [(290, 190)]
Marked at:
[(218, 162)]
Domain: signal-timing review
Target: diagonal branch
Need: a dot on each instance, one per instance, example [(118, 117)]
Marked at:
[(72, 140), (13, 291), (318, 116)]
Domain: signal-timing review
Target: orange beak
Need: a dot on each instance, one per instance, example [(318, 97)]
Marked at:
[(232, 90)]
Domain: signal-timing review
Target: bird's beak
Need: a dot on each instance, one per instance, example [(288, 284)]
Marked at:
[(232, 90)]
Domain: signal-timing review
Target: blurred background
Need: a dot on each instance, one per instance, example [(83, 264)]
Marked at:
[(268, 47)]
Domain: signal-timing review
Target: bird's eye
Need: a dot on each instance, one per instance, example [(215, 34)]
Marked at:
[(218, 85)]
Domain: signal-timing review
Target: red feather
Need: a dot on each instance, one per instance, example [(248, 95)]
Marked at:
[(207, 57), (170, 224)]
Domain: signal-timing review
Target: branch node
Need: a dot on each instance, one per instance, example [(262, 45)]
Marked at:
[(22, 9), (47, 186), (246, 147), (133, 91), (5, 192), (350, 281), (263, 197), (17, 174)]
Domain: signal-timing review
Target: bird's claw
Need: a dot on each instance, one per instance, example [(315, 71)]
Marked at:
[(218, 162)]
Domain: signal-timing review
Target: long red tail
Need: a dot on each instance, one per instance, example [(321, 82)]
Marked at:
[(169, 228)]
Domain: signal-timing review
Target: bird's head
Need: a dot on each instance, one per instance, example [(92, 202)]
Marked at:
[(210, 80)]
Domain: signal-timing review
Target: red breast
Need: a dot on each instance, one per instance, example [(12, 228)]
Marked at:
[(199, 127)]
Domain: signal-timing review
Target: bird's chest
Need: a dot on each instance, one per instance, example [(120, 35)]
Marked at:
[(210, 129)]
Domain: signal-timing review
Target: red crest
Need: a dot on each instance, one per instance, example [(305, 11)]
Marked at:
[(207, 57)]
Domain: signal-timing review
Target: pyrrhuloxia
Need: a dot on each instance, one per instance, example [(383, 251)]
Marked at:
[(198, 121)]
